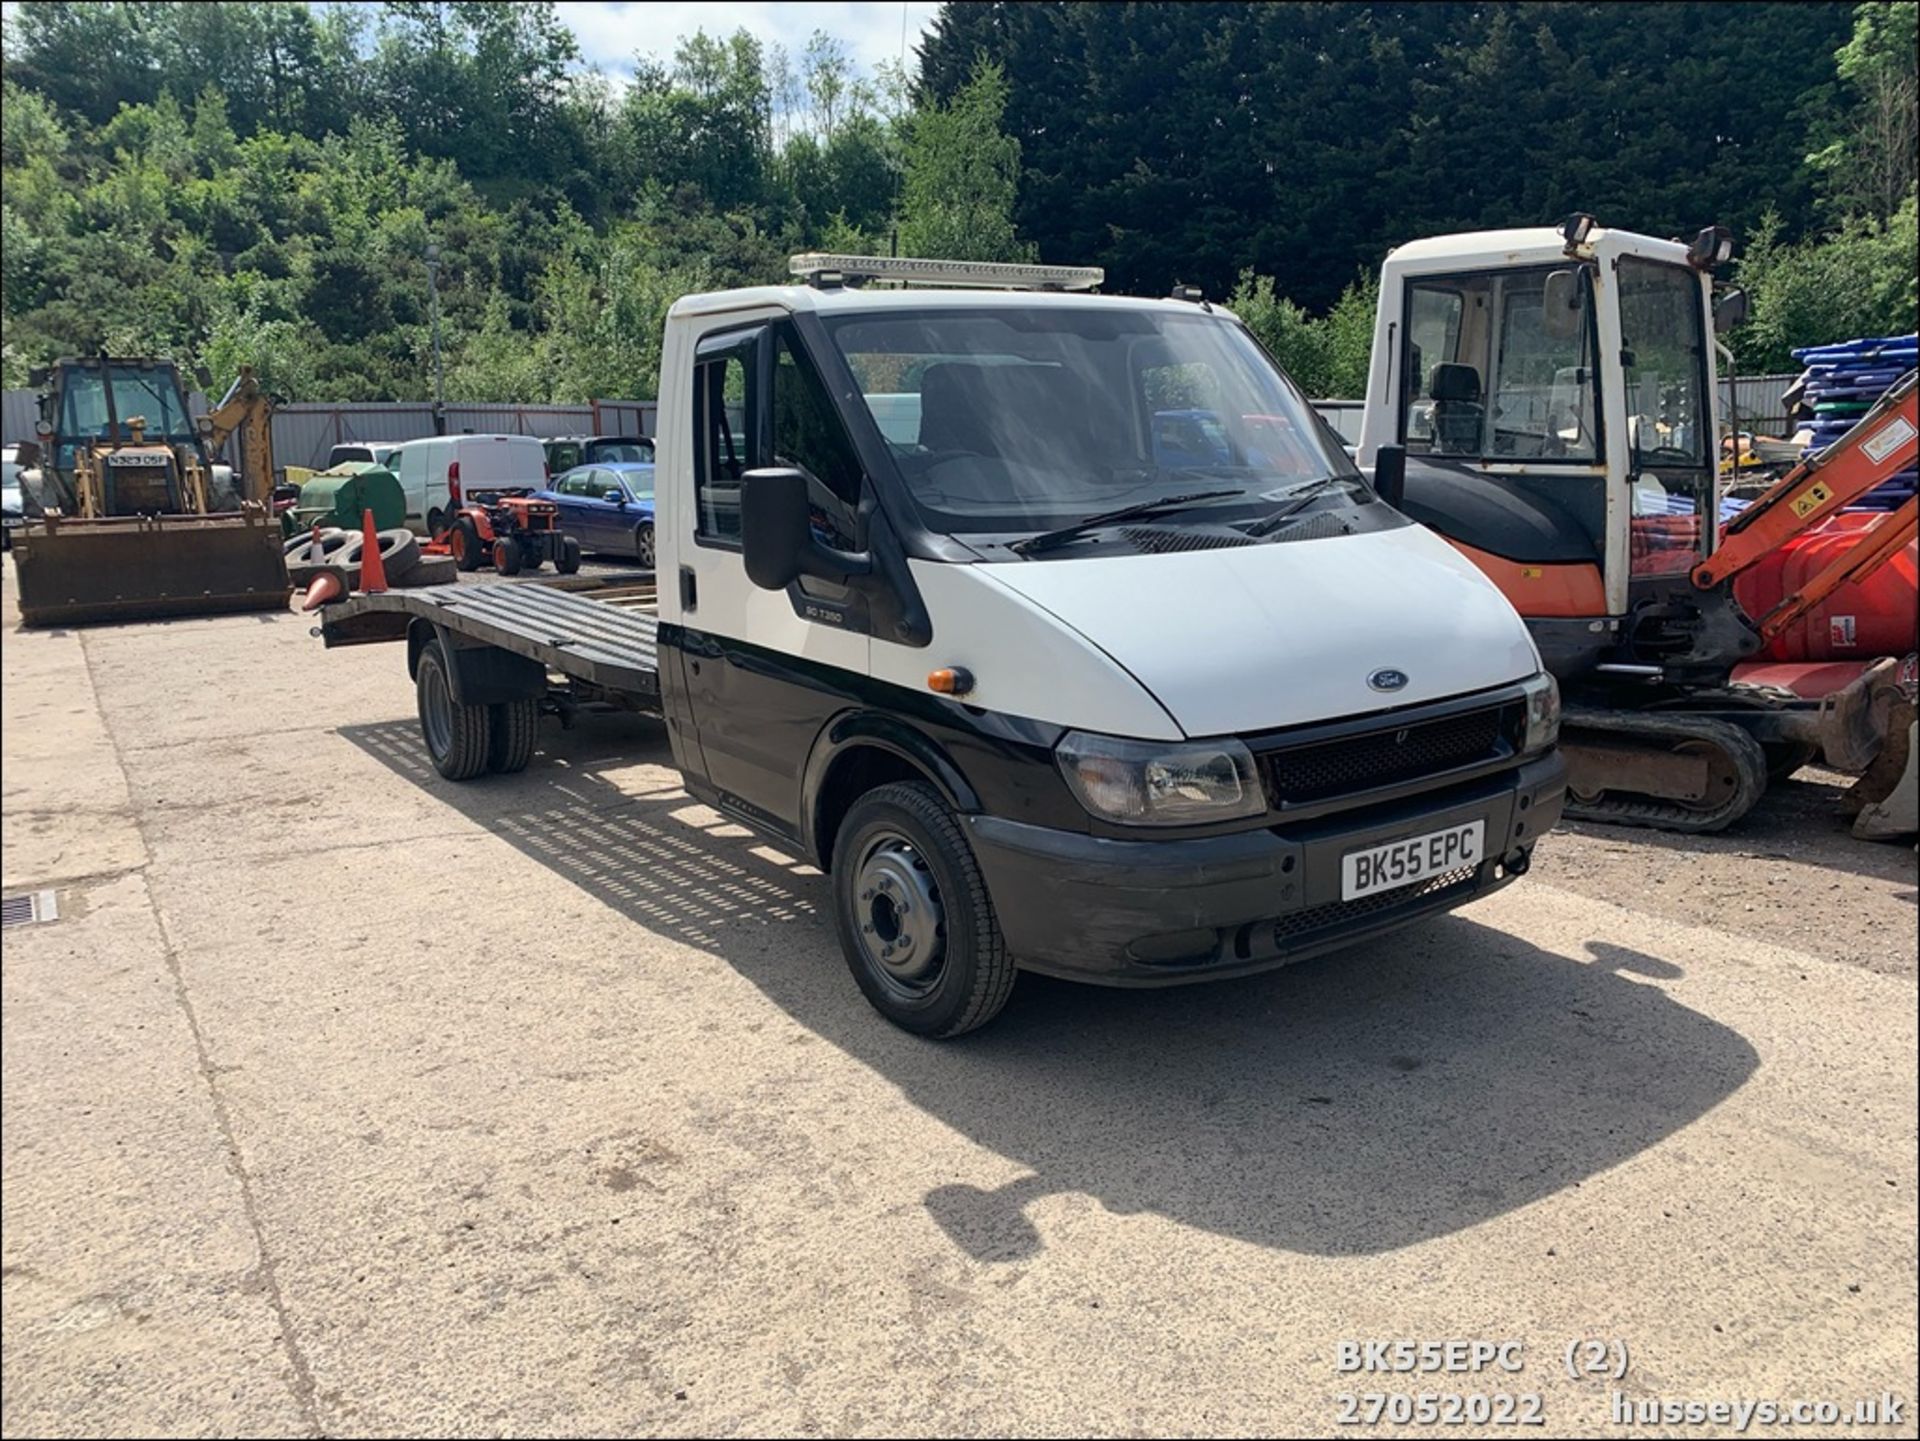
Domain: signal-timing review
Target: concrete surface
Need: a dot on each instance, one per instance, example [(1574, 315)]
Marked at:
[(345, 1101)]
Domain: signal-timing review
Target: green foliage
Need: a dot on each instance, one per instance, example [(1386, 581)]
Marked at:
[(1868, 163), (1857, 281), (1191, 141), (961, 176), (249, 182), (1325, 355)]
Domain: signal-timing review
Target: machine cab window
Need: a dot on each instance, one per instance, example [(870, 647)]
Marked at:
[(1501, 366)]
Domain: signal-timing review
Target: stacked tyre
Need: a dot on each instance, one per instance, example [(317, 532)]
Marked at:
[(340, 552)]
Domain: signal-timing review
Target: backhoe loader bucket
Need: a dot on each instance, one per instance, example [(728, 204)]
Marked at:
[(141, 566)]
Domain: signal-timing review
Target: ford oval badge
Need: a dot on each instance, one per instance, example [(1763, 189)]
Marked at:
[(1388, 680)]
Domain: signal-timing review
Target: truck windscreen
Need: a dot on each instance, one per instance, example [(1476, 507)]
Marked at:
[(1009, 419)]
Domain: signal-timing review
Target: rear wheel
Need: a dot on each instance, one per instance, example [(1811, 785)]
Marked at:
[(643, 546), (458, 736), (512, 727), (913, 914), (464, 541), (506, 557), (569, 560), (436, 523)]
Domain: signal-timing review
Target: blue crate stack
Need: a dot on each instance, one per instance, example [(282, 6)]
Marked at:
[(1842, 383)]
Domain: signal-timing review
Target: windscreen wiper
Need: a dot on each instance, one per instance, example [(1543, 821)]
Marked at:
[(1048, 539), (1266, 525)]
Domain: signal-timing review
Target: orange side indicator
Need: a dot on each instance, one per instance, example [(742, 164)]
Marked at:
[(950, 680)]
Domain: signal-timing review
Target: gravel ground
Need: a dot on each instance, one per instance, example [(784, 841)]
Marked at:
[(1791, 873), (345, 1101)]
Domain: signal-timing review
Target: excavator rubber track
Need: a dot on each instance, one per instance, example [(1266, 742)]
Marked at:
[(1616, 759)]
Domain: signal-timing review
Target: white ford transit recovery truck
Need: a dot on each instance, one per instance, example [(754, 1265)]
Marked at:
[(1097, 658)]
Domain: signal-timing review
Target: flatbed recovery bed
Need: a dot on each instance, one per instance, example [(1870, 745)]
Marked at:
[(601, 635)]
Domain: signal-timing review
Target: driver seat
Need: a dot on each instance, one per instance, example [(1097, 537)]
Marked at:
[(1457, 411)]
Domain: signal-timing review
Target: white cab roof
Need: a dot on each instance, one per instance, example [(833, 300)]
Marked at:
[(1535, 245)]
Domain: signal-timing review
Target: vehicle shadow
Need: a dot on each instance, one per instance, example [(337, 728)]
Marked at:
[(1393, 1093)]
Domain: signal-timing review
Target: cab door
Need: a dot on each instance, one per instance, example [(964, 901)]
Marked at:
[(761, 680)]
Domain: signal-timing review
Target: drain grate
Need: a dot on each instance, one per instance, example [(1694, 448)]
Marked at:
[(28, 909)]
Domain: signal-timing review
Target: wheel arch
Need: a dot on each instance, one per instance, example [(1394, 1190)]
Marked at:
[(858, 751)]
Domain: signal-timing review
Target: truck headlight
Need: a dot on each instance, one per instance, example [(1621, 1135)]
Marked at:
[(1543, 714), (1152, 783)]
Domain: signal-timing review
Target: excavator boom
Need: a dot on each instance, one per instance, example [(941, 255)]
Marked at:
[(1882, 444)]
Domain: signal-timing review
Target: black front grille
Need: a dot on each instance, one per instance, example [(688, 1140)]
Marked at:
[(1321, 770), (1302, 926)]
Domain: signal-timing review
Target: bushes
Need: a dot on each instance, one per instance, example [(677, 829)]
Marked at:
[(1326, 355), (1858, 281)]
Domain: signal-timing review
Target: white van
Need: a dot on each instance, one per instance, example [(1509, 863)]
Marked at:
[(1033, 690), (435, 470)]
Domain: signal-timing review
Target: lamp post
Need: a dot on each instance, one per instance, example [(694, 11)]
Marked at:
[(433, 303)]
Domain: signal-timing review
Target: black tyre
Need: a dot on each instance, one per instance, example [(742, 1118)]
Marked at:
[(914, 917), (569, 559), (399, 552), (458, 736), (299, 546), (643, 546), (436, 523), (512, 728), (506, 557), (464, 541)]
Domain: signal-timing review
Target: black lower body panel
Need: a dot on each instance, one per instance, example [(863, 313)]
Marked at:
[(1165, 912)]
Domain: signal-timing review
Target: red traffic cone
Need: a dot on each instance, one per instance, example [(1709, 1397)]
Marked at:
[(373, 575)]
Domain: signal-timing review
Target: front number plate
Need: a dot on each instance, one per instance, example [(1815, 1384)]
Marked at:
[(1417, 858)]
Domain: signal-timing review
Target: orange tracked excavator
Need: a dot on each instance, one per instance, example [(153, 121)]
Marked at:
[(1546, 399)]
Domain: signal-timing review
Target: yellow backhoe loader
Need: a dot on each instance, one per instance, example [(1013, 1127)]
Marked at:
[(128, 516)]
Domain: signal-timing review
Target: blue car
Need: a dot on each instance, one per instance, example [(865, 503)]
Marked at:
[(607, 508)]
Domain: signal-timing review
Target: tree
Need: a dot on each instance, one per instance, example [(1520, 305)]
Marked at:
[(1859, 281), (1192, 141), (962, 174), (1869, 167)]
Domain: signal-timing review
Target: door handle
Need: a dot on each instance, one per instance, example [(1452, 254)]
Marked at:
[(689, 589)]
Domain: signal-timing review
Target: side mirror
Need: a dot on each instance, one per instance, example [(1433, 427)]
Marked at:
[(776, 533), (38, 376), (1390, 474), (616, 497), (1560, 304), (203, 377), (1730, 311)]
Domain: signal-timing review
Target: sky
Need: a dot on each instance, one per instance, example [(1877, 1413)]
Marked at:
[(611, 32)]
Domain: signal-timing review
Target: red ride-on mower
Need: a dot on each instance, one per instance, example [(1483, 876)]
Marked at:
[(511, 531)]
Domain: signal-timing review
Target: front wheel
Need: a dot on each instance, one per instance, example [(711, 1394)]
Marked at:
[(643, 546), (569, 559), (464, 541), (506, 557), (913, 914)]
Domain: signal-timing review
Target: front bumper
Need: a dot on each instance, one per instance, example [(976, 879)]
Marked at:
[(1164, 912)]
